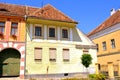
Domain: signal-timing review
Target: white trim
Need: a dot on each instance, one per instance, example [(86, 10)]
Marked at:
[(22, 55), (21, 72), (15, 45), (68, 33), (10, 44), (5, 45), (57, 41), (31, 31), (106, 31), (22, 48), (22, 63), (58, 29), (45, 32), (55, 31), (71, 34)]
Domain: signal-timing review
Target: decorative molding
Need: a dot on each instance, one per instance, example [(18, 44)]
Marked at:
[(71, 34), (45, 32), (20, 46), (58, 33), (86, 46), (31, 31), (108, 54)]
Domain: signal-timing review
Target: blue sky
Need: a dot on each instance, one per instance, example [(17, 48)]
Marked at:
[(89, 13)]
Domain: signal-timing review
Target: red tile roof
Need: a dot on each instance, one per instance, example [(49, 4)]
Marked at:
[(47, 12), (112, 20)]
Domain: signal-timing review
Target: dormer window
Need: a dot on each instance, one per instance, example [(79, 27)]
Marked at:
[(2, 9), (64, 33), (51, 32)]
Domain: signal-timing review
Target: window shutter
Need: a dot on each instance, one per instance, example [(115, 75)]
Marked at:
[(65, 54), (38, 53), (52, 52)]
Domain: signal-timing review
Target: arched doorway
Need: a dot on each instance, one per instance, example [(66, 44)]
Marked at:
[(9, 62)]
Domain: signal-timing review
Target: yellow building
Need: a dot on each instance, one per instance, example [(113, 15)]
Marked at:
[(106, 37), (54, 45)]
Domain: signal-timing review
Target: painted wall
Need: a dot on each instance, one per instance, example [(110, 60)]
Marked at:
[(20, 32), (114, 35), (18, 43), (111, 54), (72, 66)]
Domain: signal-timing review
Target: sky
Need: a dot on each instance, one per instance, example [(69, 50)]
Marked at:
[(88, 13)]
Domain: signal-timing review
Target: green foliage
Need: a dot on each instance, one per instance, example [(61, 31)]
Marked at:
[(97, 77), (75, 79), (86, 60)]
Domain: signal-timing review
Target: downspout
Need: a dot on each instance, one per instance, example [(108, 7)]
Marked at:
[(25, 18)]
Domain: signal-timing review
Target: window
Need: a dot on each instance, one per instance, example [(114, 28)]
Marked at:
[(65, 54), (51, 32), (85, 51), (97, 47), (38, 31), (14, 27), (64, 33), (52, 52), (104, 45), (2, 9), (2, 27), (38, 54), (112, 43)]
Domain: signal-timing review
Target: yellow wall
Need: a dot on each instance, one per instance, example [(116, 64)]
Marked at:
[(108, 58), (107, 38), (74, 65), (22, 30)]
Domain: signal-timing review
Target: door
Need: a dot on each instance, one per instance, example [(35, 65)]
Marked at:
[(9, 62)]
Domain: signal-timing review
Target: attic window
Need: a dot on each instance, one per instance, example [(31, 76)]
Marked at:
[(2, 9)]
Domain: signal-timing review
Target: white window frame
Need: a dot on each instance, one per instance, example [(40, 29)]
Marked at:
[(42, 30)]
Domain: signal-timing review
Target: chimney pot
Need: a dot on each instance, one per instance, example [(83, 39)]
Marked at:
[(112, 11)]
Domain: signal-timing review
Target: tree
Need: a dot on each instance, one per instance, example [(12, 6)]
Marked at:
[(86, 60)]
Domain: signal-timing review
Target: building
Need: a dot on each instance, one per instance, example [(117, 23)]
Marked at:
[(12, 40), (39, 42), (54, 44), (106, 37)]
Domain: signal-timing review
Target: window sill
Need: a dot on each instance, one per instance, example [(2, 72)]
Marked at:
[(66, 60), (52, 60), (38, 60)]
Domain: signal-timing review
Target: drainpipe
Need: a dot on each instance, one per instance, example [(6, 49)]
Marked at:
[(25, 17)]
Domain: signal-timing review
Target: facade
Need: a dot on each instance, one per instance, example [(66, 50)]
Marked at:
[(39, 42), (54, 45), (12, 41), (106, 37)]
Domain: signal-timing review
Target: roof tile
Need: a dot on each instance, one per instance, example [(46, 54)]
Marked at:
[(112, 20), (46, 12)]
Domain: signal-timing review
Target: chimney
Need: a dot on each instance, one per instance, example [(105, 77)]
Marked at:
[(112, 11)]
